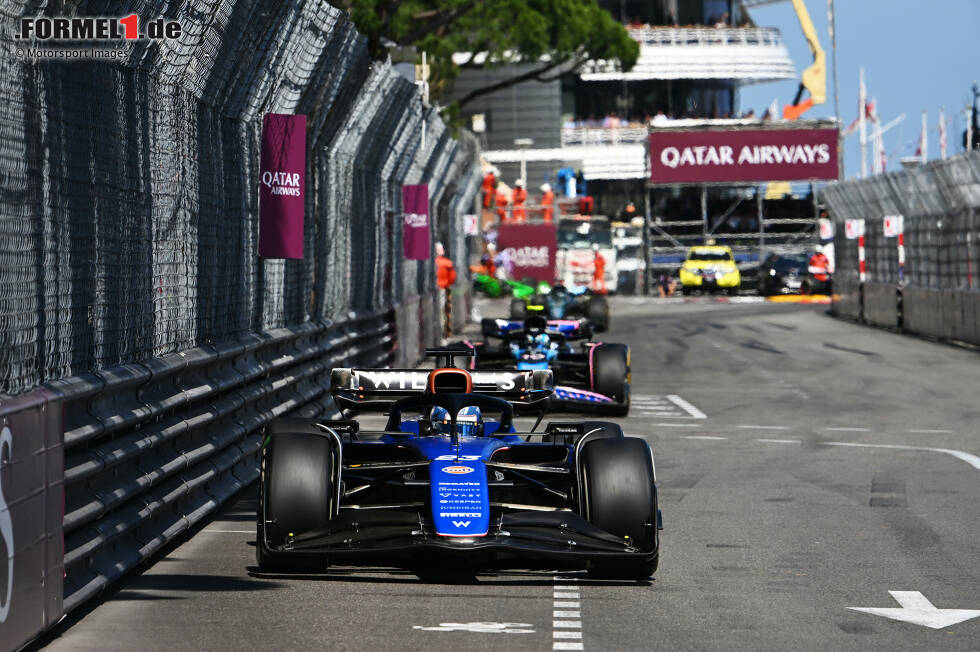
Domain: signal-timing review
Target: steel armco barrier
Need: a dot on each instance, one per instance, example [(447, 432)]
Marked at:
[(936, 292), (152, 448)]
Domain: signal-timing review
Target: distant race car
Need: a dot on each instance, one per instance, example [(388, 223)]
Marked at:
[(710, 268), (593, 376), (561, 302), (494, 287), (448, 480)]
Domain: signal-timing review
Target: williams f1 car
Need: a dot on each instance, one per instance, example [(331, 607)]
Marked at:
[(594, 376), (449, 480)]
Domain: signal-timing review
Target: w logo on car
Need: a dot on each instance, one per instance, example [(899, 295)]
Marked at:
[(461, 523)]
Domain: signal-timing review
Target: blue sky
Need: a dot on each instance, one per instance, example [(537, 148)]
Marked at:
[(917, 55)]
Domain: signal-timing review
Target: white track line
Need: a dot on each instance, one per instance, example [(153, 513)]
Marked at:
[(931, 432), (687, 407), (709, 437), (566, 603), (969, 458), (778, 441), (762, 427), (849, 429), (679, 425)]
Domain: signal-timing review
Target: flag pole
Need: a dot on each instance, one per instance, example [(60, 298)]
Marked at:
[(924, 142), (862, 102), (832, 27), (942, 132)]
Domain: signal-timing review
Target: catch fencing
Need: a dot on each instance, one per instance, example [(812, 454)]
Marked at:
[(130, 285), (935, 291)]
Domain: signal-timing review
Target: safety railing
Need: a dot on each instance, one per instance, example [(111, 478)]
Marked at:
[(152, 448)]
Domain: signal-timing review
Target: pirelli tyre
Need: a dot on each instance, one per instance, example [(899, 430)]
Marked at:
[(598, 313), (619, 496), (294, 493), (611, 375), (518, 309)]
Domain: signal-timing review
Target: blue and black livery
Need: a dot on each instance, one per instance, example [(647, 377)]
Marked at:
[(409, 494)]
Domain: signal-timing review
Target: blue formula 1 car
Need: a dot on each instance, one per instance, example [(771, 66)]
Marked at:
[(450, 480), (592, 376)]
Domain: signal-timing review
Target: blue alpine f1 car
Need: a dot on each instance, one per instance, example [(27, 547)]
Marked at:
[(592, 376), (449, 478)]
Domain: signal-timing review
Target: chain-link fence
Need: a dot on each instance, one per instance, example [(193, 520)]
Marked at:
[(937, 286), (128, 193)]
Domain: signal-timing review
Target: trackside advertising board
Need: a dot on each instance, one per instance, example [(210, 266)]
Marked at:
[(528, 250), (742, 155), (282, 186)]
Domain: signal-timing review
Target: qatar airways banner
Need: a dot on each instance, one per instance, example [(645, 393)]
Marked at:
[(528, 251), (282, 185), (415, 232), (743, 155)]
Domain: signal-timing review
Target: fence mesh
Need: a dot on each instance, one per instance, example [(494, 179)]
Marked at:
[(128, 199), (940, 203)]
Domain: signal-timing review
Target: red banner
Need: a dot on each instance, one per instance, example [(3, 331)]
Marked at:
[(743, 155), (282, 185), (415, 231), (528, 251)]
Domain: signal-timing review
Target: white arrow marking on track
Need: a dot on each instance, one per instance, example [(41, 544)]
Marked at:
[(916, 609)]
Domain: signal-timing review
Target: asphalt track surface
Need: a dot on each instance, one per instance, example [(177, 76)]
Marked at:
[(773, 527)]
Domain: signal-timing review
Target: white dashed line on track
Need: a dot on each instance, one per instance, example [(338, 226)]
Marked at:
[(849, 429), (566, 634), (762, 427), (778, 441), (708, 437), (679, 425), (931, 432), (969, 458)]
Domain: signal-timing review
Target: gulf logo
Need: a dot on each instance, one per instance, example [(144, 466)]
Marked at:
[(458, 470)]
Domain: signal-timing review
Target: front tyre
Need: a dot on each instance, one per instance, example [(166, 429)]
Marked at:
[(611, 375), (598, 313), (621, 498), (294, 494)]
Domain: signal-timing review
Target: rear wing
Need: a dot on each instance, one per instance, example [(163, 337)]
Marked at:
[(375, 390), (569, 329)]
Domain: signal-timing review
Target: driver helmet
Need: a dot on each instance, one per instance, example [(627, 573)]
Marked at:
[(441, 423), (542, 340), (469, 422)]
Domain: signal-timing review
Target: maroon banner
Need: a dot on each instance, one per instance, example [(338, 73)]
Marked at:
[(282, 185), (415, 233), (743, 155), (528, 251)]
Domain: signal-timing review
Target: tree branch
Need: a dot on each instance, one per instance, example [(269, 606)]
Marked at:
[(441, 19)]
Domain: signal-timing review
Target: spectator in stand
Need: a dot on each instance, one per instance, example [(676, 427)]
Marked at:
[(445, 277), (667, 285), (547, 202), (660, 119), (628, 212), (722, 21), (519, 198), (504, 264), (502, 199), (489, 183)]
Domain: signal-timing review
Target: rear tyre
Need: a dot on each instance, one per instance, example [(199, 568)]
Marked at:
[(294, 494), (621, 498), (518, 309), (598, 313), (611, 375)]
